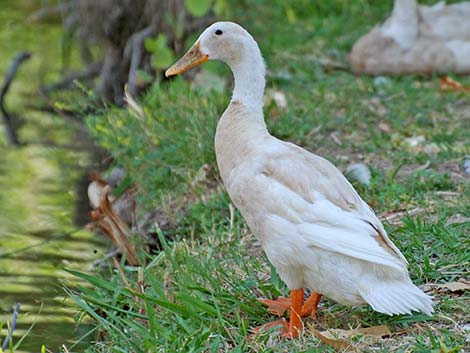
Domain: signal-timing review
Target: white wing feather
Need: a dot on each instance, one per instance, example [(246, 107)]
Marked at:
[(313, 194)]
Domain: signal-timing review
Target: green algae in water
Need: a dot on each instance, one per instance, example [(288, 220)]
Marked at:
[(38, 194)]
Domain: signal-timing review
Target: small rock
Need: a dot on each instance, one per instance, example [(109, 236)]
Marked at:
[(466, 165), (359, 172), (381, 81), (415, 141)]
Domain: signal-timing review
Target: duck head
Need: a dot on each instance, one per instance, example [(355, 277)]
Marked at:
[(232, 44), (224, 41)]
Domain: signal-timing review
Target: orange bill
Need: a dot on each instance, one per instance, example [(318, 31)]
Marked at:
[(189, 60)]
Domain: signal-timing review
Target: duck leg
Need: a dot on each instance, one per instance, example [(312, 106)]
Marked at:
[(295, 321), (311, 304), (278, 306)]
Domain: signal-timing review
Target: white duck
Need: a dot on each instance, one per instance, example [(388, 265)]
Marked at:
[(314, 227), (416, 39)]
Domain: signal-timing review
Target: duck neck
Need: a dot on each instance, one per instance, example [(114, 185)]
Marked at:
[(405, 9), (402, 25), (249, 76), (242, 127)]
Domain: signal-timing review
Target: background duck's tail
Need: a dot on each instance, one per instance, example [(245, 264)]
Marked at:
[(398, 297)]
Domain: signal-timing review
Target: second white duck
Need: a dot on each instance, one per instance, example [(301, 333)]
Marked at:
[(416, 39)]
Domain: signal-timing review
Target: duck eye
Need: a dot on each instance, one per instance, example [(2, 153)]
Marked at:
[(219, 32)]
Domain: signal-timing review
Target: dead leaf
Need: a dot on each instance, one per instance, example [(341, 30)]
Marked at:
[(384, 127), (457, 219), (376, 331), (460, 286), (452, 287), (450, 85), (338, 344), (341, 339)]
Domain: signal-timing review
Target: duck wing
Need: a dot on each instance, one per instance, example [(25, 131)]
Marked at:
[(311, 193), (446, 22)]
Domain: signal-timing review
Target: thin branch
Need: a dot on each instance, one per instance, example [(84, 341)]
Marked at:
[(133, 50), (54, 10), (10, 75), (12, 327)]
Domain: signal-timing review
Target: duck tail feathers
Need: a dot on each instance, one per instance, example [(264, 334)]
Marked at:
[(398, 297)]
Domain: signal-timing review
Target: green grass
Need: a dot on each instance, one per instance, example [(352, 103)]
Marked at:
[(200, 293)]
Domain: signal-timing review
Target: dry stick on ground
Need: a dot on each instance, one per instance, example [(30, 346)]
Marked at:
[(7, 118), (12, 327)]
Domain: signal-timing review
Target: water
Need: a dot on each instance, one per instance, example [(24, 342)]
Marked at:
[(40, 186)]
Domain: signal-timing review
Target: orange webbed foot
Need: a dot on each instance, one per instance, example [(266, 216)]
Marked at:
[(277, 307), (311, 304), (281, 325), (282, 304), (297, 309)]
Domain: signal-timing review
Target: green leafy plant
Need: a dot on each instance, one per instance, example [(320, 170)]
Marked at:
[(198, 7), (162, 55)]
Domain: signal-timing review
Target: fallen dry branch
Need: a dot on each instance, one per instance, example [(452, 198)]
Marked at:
[(105, 218), (10, 75)]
